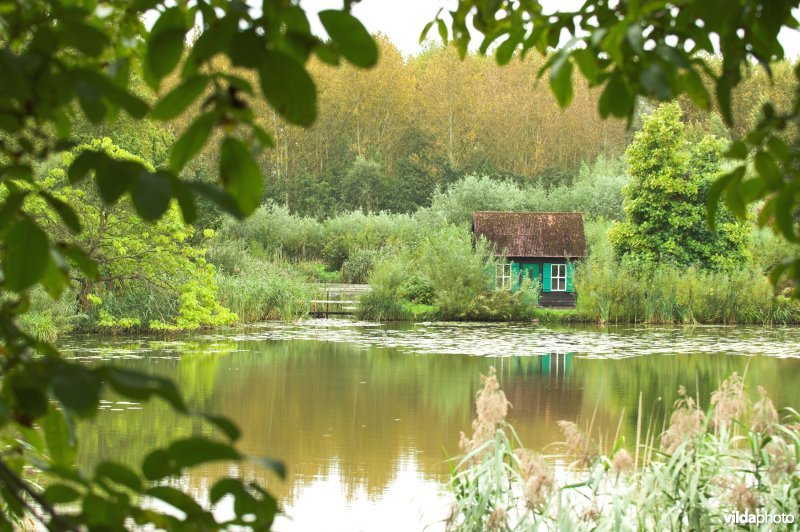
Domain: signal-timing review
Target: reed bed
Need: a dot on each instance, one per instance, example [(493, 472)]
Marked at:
[(630, 292), (694, 473)]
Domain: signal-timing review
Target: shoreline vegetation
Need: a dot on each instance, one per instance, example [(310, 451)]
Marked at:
[(734, 457), (421, 267), (651, 258)]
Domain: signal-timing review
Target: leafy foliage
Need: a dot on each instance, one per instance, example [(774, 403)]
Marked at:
[(131, 254), (64, 64), (665, 200)]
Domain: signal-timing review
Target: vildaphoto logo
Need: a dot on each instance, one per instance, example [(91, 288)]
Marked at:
[(758, 518)]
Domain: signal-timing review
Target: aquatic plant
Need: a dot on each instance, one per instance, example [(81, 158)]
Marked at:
[(709, 464)]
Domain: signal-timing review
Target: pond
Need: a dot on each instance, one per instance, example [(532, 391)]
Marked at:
[(365, 415)]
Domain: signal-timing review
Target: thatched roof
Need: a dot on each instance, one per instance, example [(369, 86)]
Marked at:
[(532, 234)]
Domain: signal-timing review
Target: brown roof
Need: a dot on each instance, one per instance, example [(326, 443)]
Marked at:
[(532, 234)]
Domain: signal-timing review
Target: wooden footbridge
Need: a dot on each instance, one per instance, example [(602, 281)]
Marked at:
[(336, 299)]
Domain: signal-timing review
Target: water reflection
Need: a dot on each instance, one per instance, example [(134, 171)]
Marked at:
[(363, 414)]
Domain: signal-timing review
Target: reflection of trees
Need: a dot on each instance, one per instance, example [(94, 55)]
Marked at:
[(616, 384), (364, 410)]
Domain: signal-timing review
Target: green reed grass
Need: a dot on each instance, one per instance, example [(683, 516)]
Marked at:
[(736, 455)]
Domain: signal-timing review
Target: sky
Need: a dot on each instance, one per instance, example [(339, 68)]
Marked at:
[(403, 20)]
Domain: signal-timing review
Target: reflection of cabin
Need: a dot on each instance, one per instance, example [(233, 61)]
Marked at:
[(538, 246)]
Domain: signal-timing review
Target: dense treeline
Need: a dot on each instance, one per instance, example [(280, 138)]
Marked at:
[(389, 137), (381, 189)]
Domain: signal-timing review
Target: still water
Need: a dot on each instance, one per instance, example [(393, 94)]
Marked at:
[(365, 415)]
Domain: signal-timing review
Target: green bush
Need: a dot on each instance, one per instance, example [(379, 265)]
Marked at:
[(357, 267), (418, 289), (459, 270), (501, 305), (277, 232)]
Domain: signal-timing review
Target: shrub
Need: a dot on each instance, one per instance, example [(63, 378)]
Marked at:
[(418, 289), (502, 305), (459, 270), (357, 267)]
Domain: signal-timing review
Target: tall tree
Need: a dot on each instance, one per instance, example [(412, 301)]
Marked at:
[(665, 200)]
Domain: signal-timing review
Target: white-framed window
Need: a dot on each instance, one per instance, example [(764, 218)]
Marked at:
[(558, 274), (502, 275)]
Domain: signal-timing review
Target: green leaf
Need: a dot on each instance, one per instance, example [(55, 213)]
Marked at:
[(84, 263), (61, 494), (120, 474), (142, 386), (159, 464), (561, 80), (247, 49), (219, 197), (616, 98), (178, 99), (783, 215), (115, 178), (193, 451), (84, 37), (587, 63), (425, 30), (177, 499), (165, 43), (716, 190), (724, 99), (76, 387), (185, 201), (192, 140), (25, 256), (17, 171), (64, 211), (54, 280), (225, 425), (226, 486), (353, 39), (96, 85), (241, 175), (11, 206), (60, 439), (151, 194), (694, 87), (655, 81), (102, 514), (767, 169), (737, 150), (506, 50), (288, 88), (445, 35), (84, 163)]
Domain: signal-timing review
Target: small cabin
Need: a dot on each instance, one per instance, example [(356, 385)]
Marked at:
[(541, 246)]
